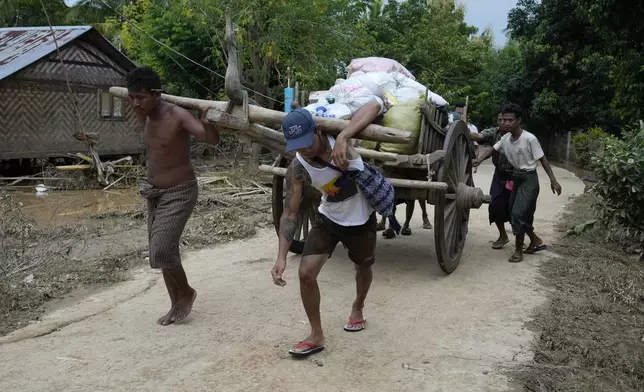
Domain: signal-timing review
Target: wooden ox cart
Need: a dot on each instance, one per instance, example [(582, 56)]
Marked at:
[(440, 172)]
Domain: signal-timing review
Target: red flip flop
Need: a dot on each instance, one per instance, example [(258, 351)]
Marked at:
[(312, 349), (351, 325)]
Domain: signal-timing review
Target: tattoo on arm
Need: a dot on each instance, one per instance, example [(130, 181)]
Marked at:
[(288, 228), (298, 173)]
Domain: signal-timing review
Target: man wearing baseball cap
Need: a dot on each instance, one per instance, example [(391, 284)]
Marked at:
[(344, 214)]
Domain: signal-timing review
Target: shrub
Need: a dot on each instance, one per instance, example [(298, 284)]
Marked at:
[(587, 143), (619, 168)]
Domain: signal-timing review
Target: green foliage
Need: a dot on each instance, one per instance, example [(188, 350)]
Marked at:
[(582, 227), (584, 62), (568, 79), (588, 143), (18, 13), (619, 168)]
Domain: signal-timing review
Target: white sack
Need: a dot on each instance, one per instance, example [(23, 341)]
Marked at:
[(354, 96), (376, 82), (377, 64)]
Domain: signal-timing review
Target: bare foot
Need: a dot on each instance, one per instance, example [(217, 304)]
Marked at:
[(184, 307), (167, 319)]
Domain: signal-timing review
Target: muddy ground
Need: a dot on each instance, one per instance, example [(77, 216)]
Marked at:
[(85, 240), (426, 331)]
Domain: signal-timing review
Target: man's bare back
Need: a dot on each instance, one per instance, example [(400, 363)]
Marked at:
[(168, 148)]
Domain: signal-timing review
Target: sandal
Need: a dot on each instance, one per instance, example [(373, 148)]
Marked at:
[(515, 259), (405, 231), (354, 325), (534, 249), (498, 244), (312, 349)]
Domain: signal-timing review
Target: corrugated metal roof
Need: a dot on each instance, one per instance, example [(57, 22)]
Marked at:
[(22, 46)]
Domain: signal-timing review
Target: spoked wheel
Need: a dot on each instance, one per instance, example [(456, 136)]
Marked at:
[(306, 215), (451, 217)]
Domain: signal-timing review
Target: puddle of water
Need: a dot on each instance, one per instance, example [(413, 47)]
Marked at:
[(55, 208)]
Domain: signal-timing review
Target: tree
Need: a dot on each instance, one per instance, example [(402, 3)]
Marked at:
[(432, 40), (18, 13), (569, 79)]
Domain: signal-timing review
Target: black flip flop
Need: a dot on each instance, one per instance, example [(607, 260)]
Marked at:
[(389, 234), (499, 244), (313, 348), (535, 249), (515, 259)]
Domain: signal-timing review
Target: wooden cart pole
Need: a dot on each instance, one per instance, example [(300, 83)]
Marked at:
[(396, 182), (260, 115)]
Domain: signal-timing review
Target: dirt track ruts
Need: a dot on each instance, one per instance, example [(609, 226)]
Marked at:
[(426, 331)]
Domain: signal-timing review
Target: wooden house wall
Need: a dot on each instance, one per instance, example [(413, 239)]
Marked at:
[(37, 118)]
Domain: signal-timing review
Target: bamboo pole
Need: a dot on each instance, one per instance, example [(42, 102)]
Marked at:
[(396, 182), (258, 114)]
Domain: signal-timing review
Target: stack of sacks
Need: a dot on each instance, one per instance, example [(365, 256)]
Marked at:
[(374, 78)]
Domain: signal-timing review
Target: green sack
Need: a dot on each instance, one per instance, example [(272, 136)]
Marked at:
[(368, 144), (405, 116)]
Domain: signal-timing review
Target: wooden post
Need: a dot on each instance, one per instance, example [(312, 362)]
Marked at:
[(467, 103), (295, 94), (568, 150)]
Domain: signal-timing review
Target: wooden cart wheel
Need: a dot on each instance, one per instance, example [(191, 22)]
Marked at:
[(308, 208), (450, 221)]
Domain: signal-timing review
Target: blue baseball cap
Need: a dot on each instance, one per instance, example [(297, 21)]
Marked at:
[(299, 129)]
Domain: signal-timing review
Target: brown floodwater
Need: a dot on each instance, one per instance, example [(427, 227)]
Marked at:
[(55, 208)]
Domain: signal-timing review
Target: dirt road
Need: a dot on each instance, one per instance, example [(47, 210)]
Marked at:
[(426, 331)]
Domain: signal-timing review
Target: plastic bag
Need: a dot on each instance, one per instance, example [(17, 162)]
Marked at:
[(432, 97), (323, 108), (376, 82), (405, 116), (354, 96), (377, 64), (405, 94)]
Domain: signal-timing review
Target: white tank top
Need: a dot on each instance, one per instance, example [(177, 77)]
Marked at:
[(344, 205)]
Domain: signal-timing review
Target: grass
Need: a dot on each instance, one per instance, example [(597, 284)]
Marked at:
[(592, 332)]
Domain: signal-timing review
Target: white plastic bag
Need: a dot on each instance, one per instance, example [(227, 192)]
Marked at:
[(405, 94), (432, 97), (376, 82), (338, 110), (354, 96), (323, 108), (377, 64)]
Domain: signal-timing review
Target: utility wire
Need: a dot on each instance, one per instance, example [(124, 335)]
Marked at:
[(180, 54)]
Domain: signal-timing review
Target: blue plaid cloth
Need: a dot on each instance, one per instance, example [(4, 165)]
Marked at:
[(375, 187)]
